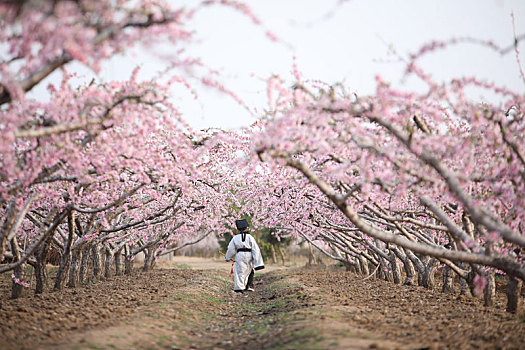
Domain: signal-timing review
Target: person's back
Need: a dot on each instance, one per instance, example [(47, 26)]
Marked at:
[(247, 257)]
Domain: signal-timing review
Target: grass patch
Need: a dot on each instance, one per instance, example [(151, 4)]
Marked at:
[(182, 267), (212, 299), (161, 340), (307, 339), (281, 285), (223, 282)]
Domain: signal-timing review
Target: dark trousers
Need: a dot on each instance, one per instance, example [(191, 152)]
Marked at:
[(250, 280)]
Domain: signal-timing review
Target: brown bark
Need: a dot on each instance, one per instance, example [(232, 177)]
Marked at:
[(6, 226), (19, 271), (75, 268), (84, 264), (489, 292), (428, 280), (418, 264), (128, 265), (463, 283), (281, 252), (448, 280), (410, 271), (514, 299), (107, 263), (128, 260), (350, 265), (363, 265), (149, 260), (274, 256), (102, 255), (118, 263), (41, 276), (17, 290), (498, 261), (380, 272), (396, 270), (65, 259), (95, 255)]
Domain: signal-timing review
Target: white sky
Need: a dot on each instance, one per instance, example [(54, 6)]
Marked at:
[(351, 43)]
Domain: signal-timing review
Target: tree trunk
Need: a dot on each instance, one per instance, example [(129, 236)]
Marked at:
[(107, 263), (41, 275), (385, 271), (363, 264), (149, 261), (419, 265), (118, 263), (84, 264), (95, 254), (355, 265), (102, 255), (75, 268), (281, 252), (274, 256), (128, 260), (448, 280), (396, 270), (19, 272), (128, 265), (9, 221), (410, 271), (17, 290), (463, 283), (379, 271), (429, 281), (489, 292), (147, 257), (411, 275), (63, 268), (350, 265), (514, 299), (65, 259)]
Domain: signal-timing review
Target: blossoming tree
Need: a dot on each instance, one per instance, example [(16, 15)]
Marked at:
[(424, 177), (98, 171)]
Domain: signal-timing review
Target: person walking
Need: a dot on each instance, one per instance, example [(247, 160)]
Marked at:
[(248, 258)]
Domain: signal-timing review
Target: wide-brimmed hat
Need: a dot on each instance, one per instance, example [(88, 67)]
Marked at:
[(241, 224)]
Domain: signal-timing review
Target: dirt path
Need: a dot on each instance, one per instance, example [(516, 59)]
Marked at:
[(192, 306), (190, 262)]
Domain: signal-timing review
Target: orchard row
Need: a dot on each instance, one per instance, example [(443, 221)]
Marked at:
[(391, 182)]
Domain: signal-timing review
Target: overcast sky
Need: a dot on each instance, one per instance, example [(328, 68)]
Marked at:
[(349, 41)]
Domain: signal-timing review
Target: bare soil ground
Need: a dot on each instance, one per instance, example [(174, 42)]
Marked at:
[(190, 305)]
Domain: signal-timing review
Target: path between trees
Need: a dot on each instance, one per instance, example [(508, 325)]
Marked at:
[(191, 306)]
